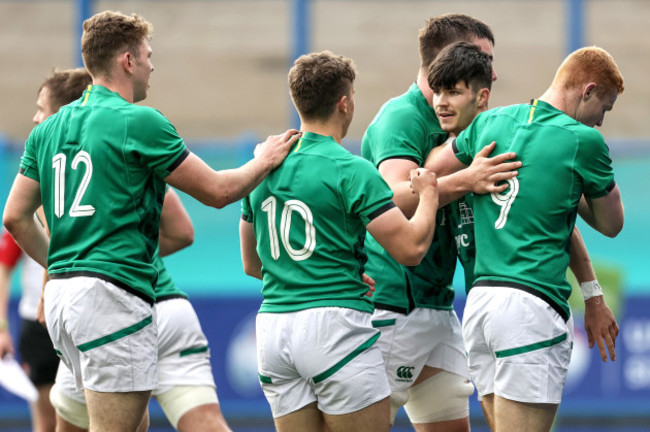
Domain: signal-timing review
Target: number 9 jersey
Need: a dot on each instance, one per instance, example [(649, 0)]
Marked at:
[(523, 234)]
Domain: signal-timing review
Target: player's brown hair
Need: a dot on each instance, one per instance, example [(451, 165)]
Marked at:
[(107, 34), (442, 30), (317, 81), (65, 86), (589, 64), (461, 61)]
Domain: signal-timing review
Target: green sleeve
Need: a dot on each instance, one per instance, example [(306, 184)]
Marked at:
[(595, 165), (246, 210), (157, 143), (364, 191)]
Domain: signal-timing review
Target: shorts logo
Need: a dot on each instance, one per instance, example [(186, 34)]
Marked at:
[(405, 373)]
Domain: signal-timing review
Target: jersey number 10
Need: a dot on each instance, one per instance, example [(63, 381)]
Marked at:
[(269, 206)]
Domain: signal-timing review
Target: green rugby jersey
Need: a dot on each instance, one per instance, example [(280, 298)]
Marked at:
[(461, 221), (523, 234), (309, 218), (100, 162), (406, 127), (165, 288)]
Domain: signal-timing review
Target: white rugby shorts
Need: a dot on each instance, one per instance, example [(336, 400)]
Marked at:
[(104, 334), (518, 346), (326, 355), (424, 337)]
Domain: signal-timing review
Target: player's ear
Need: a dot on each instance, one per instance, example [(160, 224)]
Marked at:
[(482, 97), (342, 104), (125, 61), (588, 90)]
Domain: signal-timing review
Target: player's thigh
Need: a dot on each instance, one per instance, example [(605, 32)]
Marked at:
[(307, 418), (68, 400), (523, 417), (440, 402), (103, 407), (203, 418), (192, 405), (373, 418)]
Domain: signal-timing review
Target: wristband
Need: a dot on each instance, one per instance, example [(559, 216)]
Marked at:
[(591, 289)]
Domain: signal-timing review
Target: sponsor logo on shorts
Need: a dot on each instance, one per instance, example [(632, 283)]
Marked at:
[(405, 374)]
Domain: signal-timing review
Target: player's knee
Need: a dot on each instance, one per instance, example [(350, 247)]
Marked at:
[(177, 401), (443, 397), (70, 410)]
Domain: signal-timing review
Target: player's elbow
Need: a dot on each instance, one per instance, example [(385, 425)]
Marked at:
[(411, 256), (612, 229), (252, 270), (10, 221)]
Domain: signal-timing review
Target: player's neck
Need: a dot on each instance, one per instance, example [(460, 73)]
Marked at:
[(124, 89), (330, 128), (565, 101), (423, 84)]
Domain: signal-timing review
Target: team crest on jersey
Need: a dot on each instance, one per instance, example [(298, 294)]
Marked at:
[(404, 374), (466, 214)]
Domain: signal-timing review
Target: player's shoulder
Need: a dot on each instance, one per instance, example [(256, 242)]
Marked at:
[(147, 113)]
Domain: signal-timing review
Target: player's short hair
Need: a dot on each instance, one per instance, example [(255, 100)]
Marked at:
[(589, 64), (65, 86), (317, 81), (461, 61), (442, 30), (107, 34)]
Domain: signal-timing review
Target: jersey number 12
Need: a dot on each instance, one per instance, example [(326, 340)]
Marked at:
[(77, 209)]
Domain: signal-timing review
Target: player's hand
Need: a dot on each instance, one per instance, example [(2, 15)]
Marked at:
[(422, 179), (276, 147), (601, 327), (488, 173), (6, 344), (40, 311), (371, 284)]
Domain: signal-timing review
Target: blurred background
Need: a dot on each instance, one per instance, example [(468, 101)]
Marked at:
[(220, 77)]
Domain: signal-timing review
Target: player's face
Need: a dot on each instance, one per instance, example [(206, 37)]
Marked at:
[(43, 106), (455, 108), (591, 111), (142, 68), (486, 46)]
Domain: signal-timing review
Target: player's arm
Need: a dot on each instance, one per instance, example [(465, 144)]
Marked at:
[(600, 324), (604, 214), (220, 188), (6, 344), (482, 176), (396, 172), (24, 198), (176, 229), (248, 245), (407, 241)]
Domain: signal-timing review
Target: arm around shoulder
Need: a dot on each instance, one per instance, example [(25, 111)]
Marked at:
[(220, 188)]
